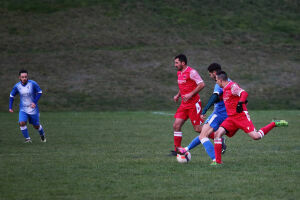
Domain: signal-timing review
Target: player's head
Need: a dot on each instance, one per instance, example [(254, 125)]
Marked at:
[(23, 76), (213, 69), (180, 61), (221, 78)]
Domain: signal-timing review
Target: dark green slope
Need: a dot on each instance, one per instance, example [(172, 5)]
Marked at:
[(118, 55)]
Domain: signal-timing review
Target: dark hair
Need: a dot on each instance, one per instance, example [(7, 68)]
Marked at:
[(214, 67), (23, 71), (182, 58), (222, 75)]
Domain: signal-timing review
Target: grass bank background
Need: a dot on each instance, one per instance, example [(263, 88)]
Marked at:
[(102, 55)]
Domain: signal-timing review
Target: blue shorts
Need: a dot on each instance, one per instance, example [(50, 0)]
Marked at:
[(33, 119), (215, 120)]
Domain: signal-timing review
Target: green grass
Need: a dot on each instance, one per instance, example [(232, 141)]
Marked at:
[(122, 155)]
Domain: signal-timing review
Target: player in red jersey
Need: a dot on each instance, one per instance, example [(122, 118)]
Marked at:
[(190, 84), (235, 99)]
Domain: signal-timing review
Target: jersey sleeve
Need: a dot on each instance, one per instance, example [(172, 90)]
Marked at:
[(37, 88), (195, 76), (236, 90), (14, 92)]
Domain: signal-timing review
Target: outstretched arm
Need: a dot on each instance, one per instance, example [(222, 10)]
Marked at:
[(213, 99)]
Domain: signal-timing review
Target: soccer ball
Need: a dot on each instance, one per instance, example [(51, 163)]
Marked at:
[(184, 158)]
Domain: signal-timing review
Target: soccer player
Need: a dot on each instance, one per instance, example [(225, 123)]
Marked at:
[(30, 92), (190, 84), (235, 99), (214, 120)]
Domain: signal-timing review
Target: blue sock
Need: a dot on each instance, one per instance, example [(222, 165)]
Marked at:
[(25, 131), (41, 130), (194, 143), (209, 147)]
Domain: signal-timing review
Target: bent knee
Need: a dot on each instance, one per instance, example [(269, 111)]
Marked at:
[(198, 128), (22, 123), (219, 133), (176, 126), (36, 126), (256, 137)]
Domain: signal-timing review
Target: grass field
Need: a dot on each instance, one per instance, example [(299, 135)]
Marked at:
[(123, 155)]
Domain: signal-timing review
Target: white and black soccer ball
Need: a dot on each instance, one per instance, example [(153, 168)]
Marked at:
[(184, 158)]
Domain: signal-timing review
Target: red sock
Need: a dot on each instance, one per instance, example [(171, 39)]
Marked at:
[(266, 129), (177, 139), (218, 150), (212, 135)]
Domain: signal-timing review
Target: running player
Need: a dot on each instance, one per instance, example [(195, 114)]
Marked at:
[(30, 92), (214, 120), (190, 84), (235, 99)]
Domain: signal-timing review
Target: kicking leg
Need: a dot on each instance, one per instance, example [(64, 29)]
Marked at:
[(257, 135)]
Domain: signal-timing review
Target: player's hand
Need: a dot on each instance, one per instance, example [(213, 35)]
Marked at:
[(239, 107), (175, 98), (186, 97), (32, 105), (11, 110), (203, 116)]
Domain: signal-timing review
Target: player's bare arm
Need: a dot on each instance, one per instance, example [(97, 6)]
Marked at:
[(176, 97), (199, 87), (236, 90)]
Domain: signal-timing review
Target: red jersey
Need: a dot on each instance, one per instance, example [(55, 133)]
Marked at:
[(188, 80), (231, 97)]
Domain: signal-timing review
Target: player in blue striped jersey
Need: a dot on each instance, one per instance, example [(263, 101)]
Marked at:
[(30, 92), (213, 121)]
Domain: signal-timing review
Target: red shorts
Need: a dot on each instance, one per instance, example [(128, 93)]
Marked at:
[(241, 121), (192, 111)]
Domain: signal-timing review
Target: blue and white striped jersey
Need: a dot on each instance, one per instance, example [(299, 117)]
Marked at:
[(28, 94)]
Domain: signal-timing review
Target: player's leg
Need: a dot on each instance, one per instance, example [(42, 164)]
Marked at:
[(35, 121), (207, 144), (214, 121), (227, 127), (195, 142), (22, 122), (194, 113), (178, 123), (248, 127), (257, 135), (218, 144)]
